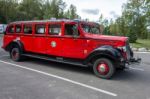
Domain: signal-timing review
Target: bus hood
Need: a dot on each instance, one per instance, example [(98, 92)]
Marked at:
[(106, 37)]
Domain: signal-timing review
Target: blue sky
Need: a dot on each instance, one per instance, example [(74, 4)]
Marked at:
[(92, 9)]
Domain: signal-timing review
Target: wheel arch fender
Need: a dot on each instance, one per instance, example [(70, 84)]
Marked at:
[(14, 44), (105, 52)]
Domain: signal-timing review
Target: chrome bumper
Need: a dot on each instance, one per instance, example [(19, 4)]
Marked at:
[(133, 62)]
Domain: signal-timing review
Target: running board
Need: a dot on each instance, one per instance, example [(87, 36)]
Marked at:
[(55, 59)]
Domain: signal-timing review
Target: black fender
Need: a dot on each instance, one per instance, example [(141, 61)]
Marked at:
[(14, 44), (104, 51)]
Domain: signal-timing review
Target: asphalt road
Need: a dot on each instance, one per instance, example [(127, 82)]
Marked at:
[(39, 79)]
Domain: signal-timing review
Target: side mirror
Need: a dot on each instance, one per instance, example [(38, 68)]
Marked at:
[(75, 31)]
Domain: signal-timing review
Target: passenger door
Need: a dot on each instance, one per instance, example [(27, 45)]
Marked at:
[(53, 42), (39, 39), (73, 46)]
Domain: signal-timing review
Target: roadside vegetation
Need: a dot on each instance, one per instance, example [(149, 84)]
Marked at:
[(20, 10), (141, 43), (134, 22)]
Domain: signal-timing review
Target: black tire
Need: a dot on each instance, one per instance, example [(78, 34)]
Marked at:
[(104, 68), (15, 54)]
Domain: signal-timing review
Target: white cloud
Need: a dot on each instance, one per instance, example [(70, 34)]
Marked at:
[(105, 7), (91, 11)]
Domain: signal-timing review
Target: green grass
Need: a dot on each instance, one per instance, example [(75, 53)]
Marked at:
[(141, 43)]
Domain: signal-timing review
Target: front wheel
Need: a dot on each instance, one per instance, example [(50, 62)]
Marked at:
[(104, 68)]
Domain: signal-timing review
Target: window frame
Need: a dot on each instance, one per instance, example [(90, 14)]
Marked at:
[(73, 34), (44, 24), (8, 32), (16, 28), (28, 24), (90, 28), (59, 34)]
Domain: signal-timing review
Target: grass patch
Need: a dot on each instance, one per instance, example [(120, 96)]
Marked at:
[(141, 43)]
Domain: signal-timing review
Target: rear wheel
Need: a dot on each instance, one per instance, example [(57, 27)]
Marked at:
[(104, 68), (15, 54)]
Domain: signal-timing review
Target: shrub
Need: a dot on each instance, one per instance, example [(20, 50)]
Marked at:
[(132, 37)]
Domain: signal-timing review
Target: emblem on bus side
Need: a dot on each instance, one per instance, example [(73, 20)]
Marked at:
[(53, 44)]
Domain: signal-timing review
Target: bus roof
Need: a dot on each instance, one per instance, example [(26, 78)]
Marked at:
[(56, 20), (38, 21)]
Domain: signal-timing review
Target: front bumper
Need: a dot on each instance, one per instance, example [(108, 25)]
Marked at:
[(133, 62), (129, 63)]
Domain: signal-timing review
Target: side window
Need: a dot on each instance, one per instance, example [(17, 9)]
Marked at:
[(11, 29), (40, 29), (27, 29), (18, 28), (71, 29), (54, 29)]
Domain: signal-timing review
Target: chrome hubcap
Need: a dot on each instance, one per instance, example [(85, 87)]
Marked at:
[(103, 68)]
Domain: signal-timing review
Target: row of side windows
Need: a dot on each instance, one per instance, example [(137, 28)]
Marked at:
[(54, 29)]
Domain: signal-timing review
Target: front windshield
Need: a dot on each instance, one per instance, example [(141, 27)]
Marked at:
[(91, 28)]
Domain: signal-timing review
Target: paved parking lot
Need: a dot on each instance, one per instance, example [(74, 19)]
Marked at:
[(39, 79)]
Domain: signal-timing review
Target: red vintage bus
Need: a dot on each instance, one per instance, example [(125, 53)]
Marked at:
[(68, 41)]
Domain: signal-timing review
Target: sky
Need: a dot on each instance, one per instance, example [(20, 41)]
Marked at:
[(92, 9)]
